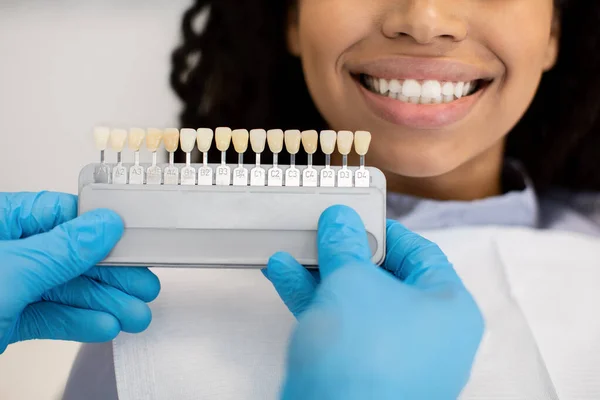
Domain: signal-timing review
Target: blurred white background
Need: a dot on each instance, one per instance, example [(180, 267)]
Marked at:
[(66, 66)]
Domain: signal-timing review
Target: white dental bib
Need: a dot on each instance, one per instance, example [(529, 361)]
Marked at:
[(222, 334)]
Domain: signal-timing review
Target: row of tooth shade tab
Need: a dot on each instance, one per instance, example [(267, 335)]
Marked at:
[(223, 175), (118, 139)]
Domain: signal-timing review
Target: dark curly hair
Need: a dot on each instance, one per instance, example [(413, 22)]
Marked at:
[(236, 71)]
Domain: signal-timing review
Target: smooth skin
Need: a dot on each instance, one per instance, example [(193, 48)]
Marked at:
[(512, 41), (49, 285)]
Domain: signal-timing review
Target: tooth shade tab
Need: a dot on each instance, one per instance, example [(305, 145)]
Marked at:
[(345, 139), (293, 138), (223, 139), (136, 138), (188, 140), (328, 141), (275, 140), (362, 142), (310, 141), (258, 140), (101, 137), (118, 139), (205, 139), (171, 140), (240, 139), (153, 139)]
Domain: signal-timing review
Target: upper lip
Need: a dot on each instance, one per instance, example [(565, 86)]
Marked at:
[(402, 68)]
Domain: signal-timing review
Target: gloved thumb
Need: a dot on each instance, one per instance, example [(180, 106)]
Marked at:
[(56, 257)]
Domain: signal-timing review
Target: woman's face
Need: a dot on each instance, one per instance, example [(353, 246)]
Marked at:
[(472, 67)]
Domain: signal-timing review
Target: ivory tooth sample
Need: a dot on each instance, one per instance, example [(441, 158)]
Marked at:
[(328, 142), (205, 173), (258, 141), (362, 142), (171, 141), (136, 139), (275, 141), (223, 141), (102, 170), (345, 139), (310, 142), (187, 142), (154, 138), (240, 138), (118, 140), (293, 139)]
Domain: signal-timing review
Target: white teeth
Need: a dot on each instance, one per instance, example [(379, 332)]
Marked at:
[(411, 88), (293, 138), (437, 100), (136, 138), (458, 89), (414, 100), (118, 138), (383, 86), (393, 95), (223, 139), (448, 89), (275, 140), (101, 136), (258, 140), (240, 140), (403, 98), (328, 140), (448, 99), (395, 86), (345, 140), (375, 83), (188, 140), (431, 89), (467, 89), (205, 138), (362, 141), (171, 140), (426, 100), (310, 141)]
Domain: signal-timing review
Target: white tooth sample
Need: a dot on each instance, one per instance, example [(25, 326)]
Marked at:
[(171, 140), (448, 99), (345, 140), (275, 140), (328, 140), (362, 141), (437, 100), (205, 138), (448, 89), (101, 137), (458, 89), (293, 138), (395, 86), (383, 86), (258, 140), (310, 141), (414, 100), (240, 139), (425, 100), (153, 139), (188, 140), (136, 138), (411, 88), (118, 139), (467, 89), (431, 89), (223, 139)]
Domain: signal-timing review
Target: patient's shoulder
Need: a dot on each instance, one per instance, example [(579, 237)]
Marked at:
[(572, 211)]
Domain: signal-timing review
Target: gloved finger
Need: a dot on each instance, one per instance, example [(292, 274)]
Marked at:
[(416, 260), (51, 259), (138, 282), (133, 314), (53, 321), (341, 240), (295, 284), (28, 214)]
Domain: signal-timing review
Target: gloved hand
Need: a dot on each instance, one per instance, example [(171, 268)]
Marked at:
[(49, 287), (410, 332)]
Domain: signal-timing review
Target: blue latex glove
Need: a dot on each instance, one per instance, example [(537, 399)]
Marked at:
[(49, 287), (410, 332)]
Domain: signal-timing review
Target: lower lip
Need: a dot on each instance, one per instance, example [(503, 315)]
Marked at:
[(420, 116)]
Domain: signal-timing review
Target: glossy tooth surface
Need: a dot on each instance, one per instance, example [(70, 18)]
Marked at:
[(431, 89), (240, 139), (275, 140), (293, 138), (136, 138), (414, 100), (223, 138), (448, 99), (118, 139), (101, 137), (310, 141), (448, 89), (171, 140), (395, 86), (362, 141), (188, 140), (258, 140), (153, 139), (205, 138), (467, 89), (383, 86), (411, 88), (328, 140), (403, 98), (458, 89), (374, 84), (437, 100), (345, 139)]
